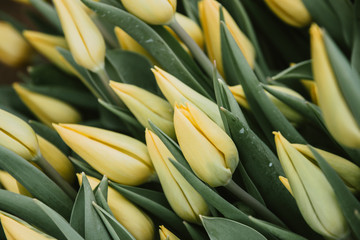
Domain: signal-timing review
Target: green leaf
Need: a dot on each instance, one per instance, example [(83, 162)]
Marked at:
[(226, 229), (59, 221), (191, 9), (267, 114), (36, 182), (195, 232), (355, 56), (77, 218), (147, 38), (15, 23), (83, 166), (301, 70), (348, 203), (48, 12)]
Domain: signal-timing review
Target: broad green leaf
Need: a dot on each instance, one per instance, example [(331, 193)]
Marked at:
[(149, 39), (226, 229), (77, 218), (101, 201), (59, 221), (191, 9), (267, 114), (301, 70), (36, 182), (83, 166), (195, 232), (102, 187), (48, 12), (347, 201)]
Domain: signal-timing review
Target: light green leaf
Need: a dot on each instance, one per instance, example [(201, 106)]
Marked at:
[(301, 70), (48, 12)]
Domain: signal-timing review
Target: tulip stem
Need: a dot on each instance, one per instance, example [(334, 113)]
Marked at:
[(55, 176), (105, 81), (196, 51), (249, 200)]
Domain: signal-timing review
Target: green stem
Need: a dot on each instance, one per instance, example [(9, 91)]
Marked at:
[(105, 80), (55, 176), (249, 200)]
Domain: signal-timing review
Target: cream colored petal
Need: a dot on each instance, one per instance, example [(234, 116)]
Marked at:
[(8, 182), (191, 27), (165, 234), (239, 95)]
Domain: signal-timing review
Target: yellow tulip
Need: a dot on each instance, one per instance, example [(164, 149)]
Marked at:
[(16, 230), (18, 136), (337, 115), (121, 158), (57, 159), (177, 92), (49, 110), (10, 184), (312, 89), (209, 13), (183, 198), (46, 45), (288, 112), (132, 218), (347, 170), (156, 12), (14, 50), (210, 152), (85, 41), (292, 12), (165, 234), (286, 184), (146, 106), (313, 194)]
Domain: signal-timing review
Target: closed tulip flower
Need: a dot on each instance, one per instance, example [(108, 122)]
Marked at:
[(146, 106), (292, 12), (46, 45), (156, 12), (85, 41), (337, 115), (14, 50), (18, 136), (210, 152), (183, 198), (165, 234), (209, 12), (49, 110), (9, 183), (176, 91), (313, 194), (18, 230), (312, 88), (121, 158), (132, 218)]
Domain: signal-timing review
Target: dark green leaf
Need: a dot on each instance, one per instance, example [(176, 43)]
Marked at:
[(77, 218), (191, 9), (301, 70), (355, 56), (16, 24), (195, 232), (83, 166), (48, 12)]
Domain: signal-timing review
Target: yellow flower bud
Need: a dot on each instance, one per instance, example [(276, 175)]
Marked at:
[(146, 106), (10, 184), (14, 50), (337, 115), (312, 89), (288, 112), (313, 194), (210, 152), (286, 184), (129, 44), (15, 230), (56, 159), (347, 170), (86, 43), (209, 13), (132, 218), (183, 198), (176, 91), (292, 12), (165, 234), (46, 45), (121, 158), (18, 136), (49, 110), (156, 12)]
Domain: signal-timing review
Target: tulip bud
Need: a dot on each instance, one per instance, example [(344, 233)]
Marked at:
[(209, 13), (177, 92), (313, 194), (86, 43), (17, 136), (156, 12), (10, 184), (56, 159), (14, 229), (165, 234), (286, 184), (337, 115), (312, 89), (292, 12), (129, 44), (347, 170), (46, 45), (123, 159), (49, 110), (183, 198), (288, 112), (132, 218), (146, 106), (210, 152), (14, 50)]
